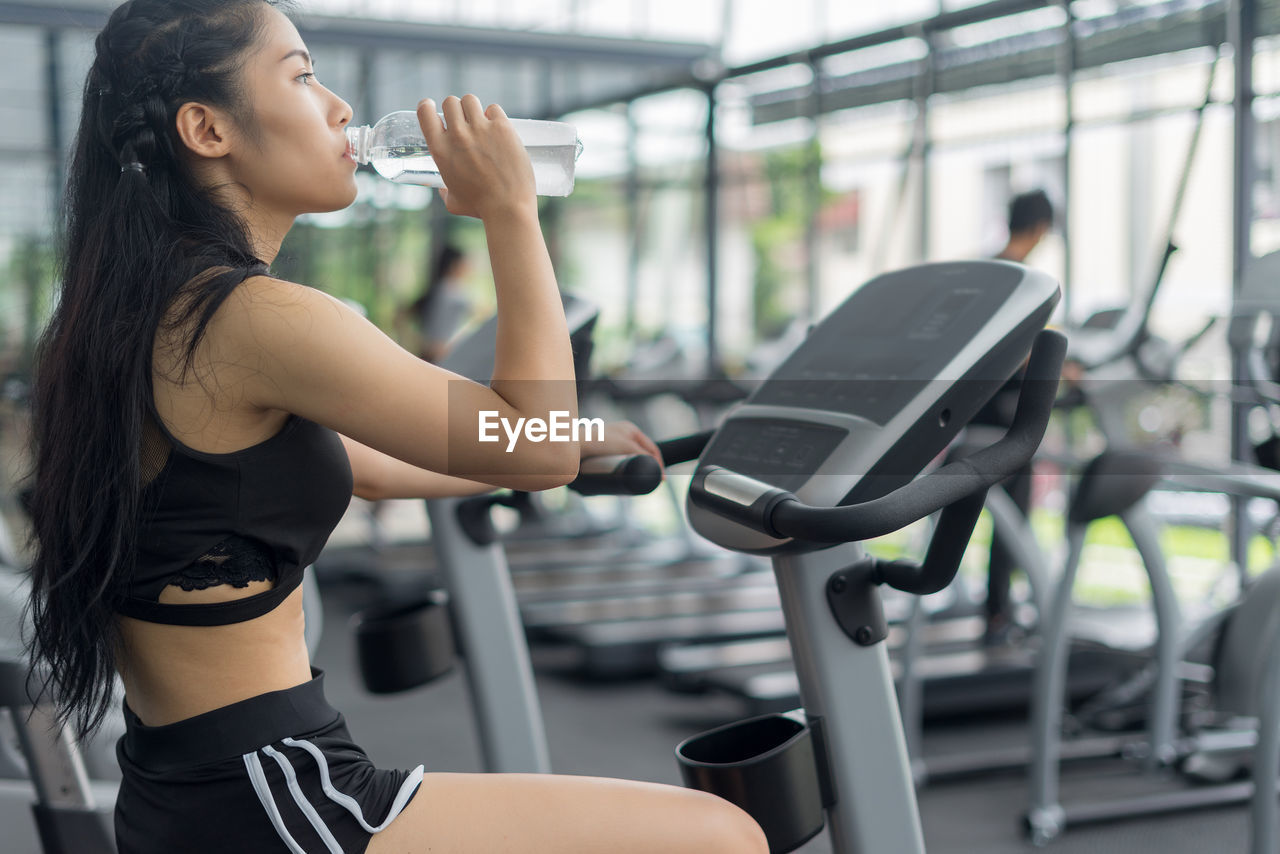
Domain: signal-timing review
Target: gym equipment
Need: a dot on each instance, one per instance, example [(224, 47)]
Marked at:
[(1255, 331), (48, 775), (1245, 673), (482, 608), (66, 808), (939, 660), (614, 611), (1117, 350), (618, 630), (473, 569), (823, 456), (1244, 668)]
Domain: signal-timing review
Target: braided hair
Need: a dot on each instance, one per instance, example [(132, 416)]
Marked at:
[(138, 231)]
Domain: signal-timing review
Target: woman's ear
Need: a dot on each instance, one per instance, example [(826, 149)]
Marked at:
[(203, 130)]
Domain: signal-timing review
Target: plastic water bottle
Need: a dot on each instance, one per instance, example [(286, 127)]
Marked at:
[(395, 148)]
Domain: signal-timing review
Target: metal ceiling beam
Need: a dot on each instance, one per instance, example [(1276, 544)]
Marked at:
[(473, 41), (707, 73), (1131, 34), (938, 23), (416, 37)]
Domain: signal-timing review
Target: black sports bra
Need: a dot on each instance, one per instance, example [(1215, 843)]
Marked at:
[(261, 513)]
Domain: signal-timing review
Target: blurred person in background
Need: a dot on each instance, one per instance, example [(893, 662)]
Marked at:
[(1030, 219), (444, 307)]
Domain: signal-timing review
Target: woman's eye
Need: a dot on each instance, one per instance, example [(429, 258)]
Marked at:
[(306, 77)]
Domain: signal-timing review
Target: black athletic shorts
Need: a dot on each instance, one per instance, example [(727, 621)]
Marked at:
[(274, 773)]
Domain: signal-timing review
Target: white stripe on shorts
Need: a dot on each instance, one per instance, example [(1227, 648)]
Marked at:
[(259, 780), (303, 804), (349, 803)]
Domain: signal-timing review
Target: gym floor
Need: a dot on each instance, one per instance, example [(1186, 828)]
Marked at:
[(630, 729)]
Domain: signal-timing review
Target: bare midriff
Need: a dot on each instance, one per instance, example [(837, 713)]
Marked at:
[(172, 673)]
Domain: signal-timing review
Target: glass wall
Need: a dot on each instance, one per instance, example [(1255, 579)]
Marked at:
[(812, 199)]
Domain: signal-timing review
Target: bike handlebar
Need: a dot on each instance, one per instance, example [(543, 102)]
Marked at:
[(637, 474), (618, 474)]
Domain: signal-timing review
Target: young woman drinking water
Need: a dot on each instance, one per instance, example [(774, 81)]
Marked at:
[(200, 427)]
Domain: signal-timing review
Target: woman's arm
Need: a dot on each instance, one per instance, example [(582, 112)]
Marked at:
[(292, 348), (378, 476), (299, 350), (533, 363)]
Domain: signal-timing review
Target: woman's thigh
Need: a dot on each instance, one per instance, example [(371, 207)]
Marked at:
[(555, 814)]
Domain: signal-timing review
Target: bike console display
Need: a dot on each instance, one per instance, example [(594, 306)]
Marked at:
[(879, 388)]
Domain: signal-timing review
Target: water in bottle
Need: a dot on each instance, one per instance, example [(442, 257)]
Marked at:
[(395, 148)]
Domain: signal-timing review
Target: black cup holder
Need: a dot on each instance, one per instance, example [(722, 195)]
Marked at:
[(403, 644), (766, 766)]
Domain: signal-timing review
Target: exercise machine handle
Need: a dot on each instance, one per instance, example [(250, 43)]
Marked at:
[(780, 514), (684, 449), (618, 474), (638, 474)]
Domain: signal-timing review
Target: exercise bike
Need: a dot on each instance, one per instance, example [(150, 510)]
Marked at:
[(824, 455)]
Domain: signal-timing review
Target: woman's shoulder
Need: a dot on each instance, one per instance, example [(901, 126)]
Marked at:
[(223, 292), (259, 314), (283, 328), (264, 304), (264, 289)]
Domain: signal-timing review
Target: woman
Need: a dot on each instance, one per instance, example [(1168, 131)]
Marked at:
[(201, 426)]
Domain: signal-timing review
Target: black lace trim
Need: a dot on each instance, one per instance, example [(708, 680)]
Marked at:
[(235, 561)]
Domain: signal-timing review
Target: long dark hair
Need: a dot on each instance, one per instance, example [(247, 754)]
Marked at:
[(139, 232)]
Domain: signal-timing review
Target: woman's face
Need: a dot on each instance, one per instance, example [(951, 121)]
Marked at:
[(296, 160)]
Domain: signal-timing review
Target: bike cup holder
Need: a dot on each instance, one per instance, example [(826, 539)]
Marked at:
[(404, 644), (769, 767)]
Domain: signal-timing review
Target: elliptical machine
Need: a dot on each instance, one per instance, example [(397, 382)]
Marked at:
[(824, 455)]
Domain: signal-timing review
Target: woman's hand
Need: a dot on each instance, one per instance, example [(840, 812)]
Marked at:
[(621, 437), (480, 158)]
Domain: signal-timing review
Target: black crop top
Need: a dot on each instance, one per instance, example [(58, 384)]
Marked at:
[(262, 513)]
